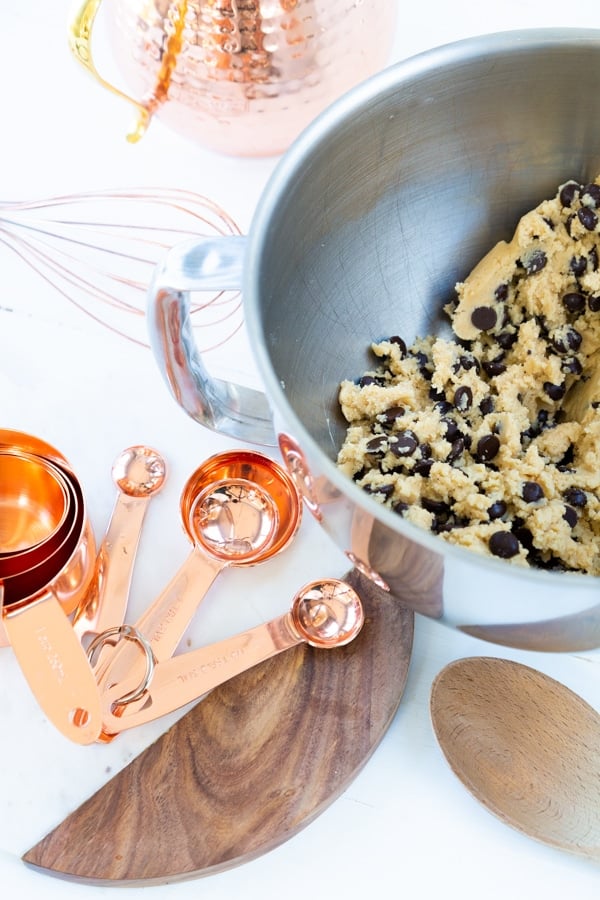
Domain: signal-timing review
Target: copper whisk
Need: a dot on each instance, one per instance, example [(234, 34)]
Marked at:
[(99, 249)]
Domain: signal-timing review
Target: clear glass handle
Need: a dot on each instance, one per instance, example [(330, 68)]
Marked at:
[(212, 263)]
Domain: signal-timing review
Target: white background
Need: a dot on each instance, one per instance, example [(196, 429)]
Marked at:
[(406, 824)]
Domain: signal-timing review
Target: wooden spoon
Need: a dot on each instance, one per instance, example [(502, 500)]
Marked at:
[(525, 746), (254, 762)]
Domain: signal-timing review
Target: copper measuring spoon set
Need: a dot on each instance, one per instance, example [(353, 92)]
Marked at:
[(64, 602)]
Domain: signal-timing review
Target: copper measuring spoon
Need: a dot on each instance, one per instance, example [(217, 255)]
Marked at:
[(525, 746), (239, 508), (324, 614), (139, 473)]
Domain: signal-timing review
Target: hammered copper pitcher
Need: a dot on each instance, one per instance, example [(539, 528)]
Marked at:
[(242, 77)]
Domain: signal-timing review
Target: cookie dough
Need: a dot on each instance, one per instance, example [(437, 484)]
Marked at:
[(491, 440)]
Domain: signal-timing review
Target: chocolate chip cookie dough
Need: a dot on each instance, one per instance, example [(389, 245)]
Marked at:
[(492, 439)]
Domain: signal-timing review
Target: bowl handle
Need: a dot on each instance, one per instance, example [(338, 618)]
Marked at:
[(202, 264)]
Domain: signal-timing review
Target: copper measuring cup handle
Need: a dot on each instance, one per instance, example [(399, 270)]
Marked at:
[(55, 665), (202, 264)]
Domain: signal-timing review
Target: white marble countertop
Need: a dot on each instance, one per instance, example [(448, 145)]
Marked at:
[(405, 823)]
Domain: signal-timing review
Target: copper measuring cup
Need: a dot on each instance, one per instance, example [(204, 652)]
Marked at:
[(34, 510), (239, 508), (34, 606), (24, 574), (33, 506), (324, 614)]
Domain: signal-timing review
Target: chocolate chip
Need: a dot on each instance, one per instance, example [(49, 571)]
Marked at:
[(574, 302), (377, 446), (570, 516), (594, 303), (568, 192), (435, 506), (567, 459), (575, 496), (448, 523), (487, 447), (497, 509), (400, 507), (503, 544), (535, 262), (501, 292), (443, 407), (385, 490), (522, 534), (495, 366), (423, 467), (483, 317), (436, 395), (506, 339), (531, 492), (578, 265), (400, 343), (425, 451), (403, 443), (391, 415), (593, 259), (571, 366), (450, 428), (590, 195), (469, 362), (486, 406), (587, 217), (456, 449), (463, 398), (367, 380), (554, 391), (568, 340)]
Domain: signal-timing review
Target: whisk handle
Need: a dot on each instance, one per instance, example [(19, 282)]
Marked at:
[(202, 264)]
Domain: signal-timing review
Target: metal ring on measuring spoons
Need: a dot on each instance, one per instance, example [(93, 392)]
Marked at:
[(127, 633)]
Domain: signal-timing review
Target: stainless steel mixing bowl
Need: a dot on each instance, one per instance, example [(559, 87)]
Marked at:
[(376, 211)]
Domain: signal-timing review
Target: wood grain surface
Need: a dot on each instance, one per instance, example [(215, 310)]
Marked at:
[(525, 746), (248, 767)]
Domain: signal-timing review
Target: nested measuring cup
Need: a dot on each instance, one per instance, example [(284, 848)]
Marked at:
[(33, 508), (36, 513), (35, 604)]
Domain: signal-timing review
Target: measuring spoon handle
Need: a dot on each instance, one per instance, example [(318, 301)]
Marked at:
[(163, 623), (186, 677), (107, 605)]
